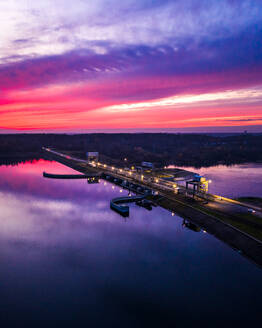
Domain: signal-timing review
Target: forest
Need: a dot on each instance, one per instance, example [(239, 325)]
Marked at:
[(198, 150)]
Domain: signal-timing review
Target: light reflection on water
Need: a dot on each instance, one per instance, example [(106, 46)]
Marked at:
[(233, 181), (66, 258)]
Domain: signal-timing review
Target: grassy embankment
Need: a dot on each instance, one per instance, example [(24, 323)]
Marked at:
[(256, 201), (246, 222)]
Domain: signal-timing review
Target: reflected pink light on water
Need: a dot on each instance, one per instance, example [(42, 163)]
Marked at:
[(27, 179), (41, 165)]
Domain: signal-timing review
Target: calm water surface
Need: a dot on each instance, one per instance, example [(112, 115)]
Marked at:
[(233, 181), (67, 260)]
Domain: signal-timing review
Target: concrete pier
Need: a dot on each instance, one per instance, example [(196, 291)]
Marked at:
[(69, 176)]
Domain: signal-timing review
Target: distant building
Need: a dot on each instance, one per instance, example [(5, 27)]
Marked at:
[(147, 165), (92, 156)]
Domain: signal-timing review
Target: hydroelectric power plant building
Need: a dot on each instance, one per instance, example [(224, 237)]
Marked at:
[(92, 156)]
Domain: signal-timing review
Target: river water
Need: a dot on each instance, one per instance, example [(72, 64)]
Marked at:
[(233, 181), (66, 259)]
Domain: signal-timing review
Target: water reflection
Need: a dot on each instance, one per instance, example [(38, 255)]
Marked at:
[(67, 259), (233, 181)]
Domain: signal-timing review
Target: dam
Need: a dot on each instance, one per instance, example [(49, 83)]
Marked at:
[(217, 219)]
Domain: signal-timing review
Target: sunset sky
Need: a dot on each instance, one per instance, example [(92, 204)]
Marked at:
[(76, 66)]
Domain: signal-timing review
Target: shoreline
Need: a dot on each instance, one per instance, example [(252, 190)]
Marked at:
[(20, 156)]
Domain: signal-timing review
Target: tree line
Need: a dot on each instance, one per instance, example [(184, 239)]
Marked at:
[(160, 148)]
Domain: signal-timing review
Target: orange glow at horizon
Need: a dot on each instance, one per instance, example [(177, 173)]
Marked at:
[(69, 108)]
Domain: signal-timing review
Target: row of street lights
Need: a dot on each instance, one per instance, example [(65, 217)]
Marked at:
[(142, 177)]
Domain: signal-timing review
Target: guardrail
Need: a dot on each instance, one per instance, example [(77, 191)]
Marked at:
[(233, 201)]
